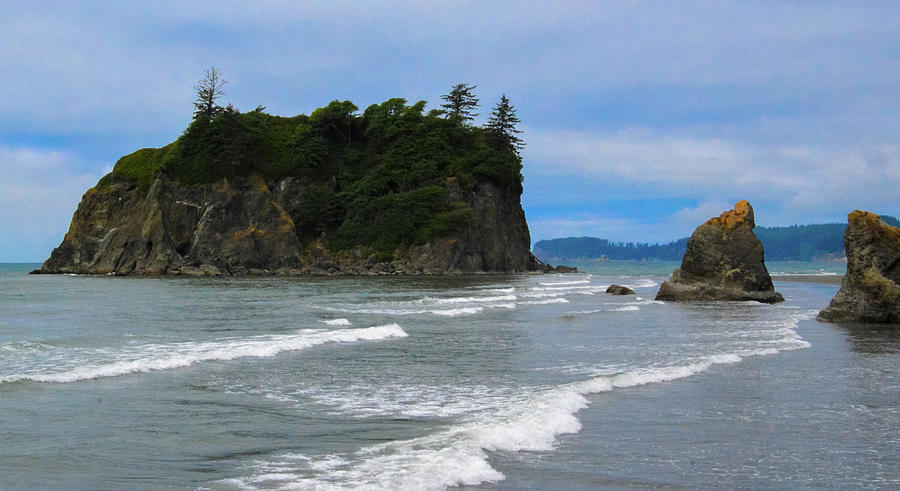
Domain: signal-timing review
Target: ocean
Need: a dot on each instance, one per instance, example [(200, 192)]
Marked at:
[(481, 382)]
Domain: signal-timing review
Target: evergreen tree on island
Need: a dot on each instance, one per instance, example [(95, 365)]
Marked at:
[(208, 90), (501, 127), (461, 103)]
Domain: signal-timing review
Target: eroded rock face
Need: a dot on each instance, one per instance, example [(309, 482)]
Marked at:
[(242, 226), (870, 291), (724, 261)]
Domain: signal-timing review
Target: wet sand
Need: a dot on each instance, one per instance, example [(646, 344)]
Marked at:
[(804, 278)]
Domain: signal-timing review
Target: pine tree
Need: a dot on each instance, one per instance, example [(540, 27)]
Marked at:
[(461, 103), (501, 127), (208, 90)]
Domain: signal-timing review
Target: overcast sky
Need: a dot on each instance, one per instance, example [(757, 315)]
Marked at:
[(642, 119)]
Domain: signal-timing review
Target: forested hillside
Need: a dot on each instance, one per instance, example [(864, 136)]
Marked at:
[(794, 243)]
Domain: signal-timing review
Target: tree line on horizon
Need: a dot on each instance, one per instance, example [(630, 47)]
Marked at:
[(793, 243)]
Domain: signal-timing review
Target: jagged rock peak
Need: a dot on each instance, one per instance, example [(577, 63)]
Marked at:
[(741, 214), (724, 260), (870, 291)]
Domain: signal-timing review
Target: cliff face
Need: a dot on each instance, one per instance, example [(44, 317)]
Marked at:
[(870, 291), (724, 261), (242, 226)]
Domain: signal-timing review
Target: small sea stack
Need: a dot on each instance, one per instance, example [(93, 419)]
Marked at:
[(870, 291), (724, 261)]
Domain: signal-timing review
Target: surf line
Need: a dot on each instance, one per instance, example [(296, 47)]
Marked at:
[(181, 355)]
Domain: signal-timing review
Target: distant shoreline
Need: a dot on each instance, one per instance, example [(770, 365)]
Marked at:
[(832, 279)]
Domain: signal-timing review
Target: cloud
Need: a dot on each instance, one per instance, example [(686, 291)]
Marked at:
[(690, 217), (87, 67), (796, 183), (791, 105), (38, 195)]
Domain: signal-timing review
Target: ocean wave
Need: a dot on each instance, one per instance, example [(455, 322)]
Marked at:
[(166, 357), (649, 302), (592, 288), (559, 283), (542, 294), (627, 308), (405, 400), (455, 300), (458, 312), (459, 456), (643, 284), (420, 307), (336, 322), (544, 302)]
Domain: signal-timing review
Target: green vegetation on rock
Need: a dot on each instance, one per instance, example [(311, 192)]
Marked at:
[(388, 178)]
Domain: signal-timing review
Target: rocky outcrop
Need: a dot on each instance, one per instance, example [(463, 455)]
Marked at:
[(619, 290), (242, 226), (724, 261), (870, 291)]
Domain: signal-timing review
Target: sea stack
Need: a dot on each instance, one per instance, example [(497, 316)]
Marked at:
[(395, 190), (724, 261), (870, 291)]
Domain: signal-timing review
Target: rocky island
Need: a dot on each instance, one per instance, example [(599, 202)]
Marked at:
[(724, 261), (395, 190), (870, 291)]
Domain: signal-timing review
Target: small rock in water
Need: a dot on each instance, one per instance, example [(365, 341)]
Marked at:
[(619, 290)]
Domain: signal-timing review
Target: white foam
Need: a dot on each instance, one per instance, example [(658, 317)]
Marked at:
[(509, 306), (407, 400), (443, 312), (542, 295), (592, 288), (726, 358), (642, 284), (457, 456), (500, 290), (336, 322), (558, 283), (627, 308), (166, 357), (544, 302), (458, 312), (453, 300)]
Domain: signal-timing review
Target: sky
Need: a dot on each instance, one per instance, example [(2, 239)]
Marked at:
[(642, 118)]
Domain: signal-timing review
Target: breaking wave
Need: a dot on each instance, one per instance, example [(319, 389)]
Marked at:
[(165, 357), (457, 456)]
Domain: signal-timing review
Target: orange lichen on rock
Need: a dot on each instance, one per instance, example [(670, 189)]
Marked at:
[(873, 222), (862, 216), (741, 213), (287, 224), (248, 232)]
